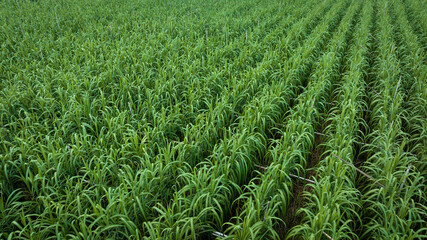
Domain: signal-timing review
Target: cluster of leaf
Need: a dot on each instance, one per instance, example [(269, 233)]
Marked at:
[(417, 17), (206, 195), (414, 72), (268, 196), (146, 119), (332, 201), (396, 209), (105, 104)]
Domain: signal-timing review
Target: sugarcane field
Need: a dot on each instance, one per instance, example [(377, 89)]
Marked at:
[(213, 119)]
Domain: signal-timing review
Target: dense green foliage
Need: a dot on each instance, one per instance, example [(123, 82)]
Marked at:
[(184, 119)]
